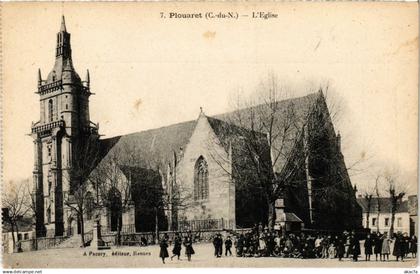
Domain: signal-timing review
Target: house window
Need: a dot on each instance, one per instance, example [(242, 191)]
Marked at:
[(19, 237), (399, 222), (201, 179), (373, 221), (50, 110), (386, 221), (26, 236)]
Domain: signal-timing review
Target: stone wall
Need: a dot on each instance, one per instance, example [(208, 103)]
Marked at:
[(221, 201)]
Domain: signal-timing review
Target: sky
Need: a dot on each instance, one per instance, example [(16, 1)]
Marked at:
[(147, 71)]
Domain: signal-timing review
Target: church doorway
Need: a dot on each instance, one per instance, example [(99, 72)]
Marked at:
[(115, 208), (73, 226), (70, 227)]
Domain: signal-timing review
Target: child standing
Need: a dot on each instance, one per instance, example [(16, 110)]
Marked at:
[(228, 246)]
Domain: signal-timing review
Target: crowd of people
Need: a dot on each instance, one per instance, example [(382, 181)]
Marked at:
[(326, 246), (265, 243)]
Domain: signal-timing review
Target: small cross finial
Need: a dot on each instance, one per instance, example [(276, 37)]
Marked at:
[(201, 109)]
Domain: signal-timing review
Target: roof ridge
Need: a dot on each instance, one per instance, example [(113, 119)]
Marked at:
[(212, 117), (151, 129)]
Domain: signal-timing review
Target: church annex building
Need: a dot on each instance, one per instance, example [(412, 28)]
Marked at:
[(194, 175)]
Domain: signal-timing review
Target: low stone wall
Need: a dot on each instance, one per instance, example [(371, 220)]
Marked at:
[(149, 238), (41, 243), (46, 243), (27, 245)]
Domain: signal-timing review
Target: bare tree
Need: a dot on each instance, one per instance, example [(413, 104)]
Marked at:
[(15, 200), (112, 185), (396, 194), (176, 198), (368, 196), (86, 155), (378, 199), (264, 129), (295, 137), (31, 201)]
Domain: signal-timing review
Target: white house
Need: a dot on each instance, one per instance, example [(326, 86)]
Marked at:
[(380, 220), (26, 232)]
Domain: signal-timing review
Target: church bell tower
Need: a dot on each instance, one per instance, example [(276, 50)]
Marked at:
[(63, 127)]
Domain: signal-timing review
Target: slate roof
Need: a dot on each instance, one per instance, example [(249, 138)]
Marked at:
[(154, 146), (24, 225), (385, 204), (157, 146), (227, 132)]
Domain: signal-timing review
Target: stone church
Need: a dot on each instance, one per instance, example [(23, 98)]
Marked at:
[(191, 175)]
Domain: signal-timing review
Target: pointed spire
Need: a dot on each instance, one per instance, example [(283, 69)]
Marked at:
[(63, 41), (63, 24), (87, 78), (39, 77)]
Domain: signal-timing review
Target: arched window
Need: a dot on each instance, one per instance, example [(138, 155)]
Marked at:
[(50, 110), (201, 179), (115, 208)]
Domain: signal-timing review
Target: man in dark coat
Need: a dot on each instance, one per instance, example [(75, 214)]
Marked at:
[(413, 246), (247, 244), (176, 251), (254, 245), (339, 245), (163, 249), (368, 246), (220, 244), (215, 243), (398, 251), (240, 246), (406, 245), (189, 250), (270, 244), (355, 246), (377, 245)]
